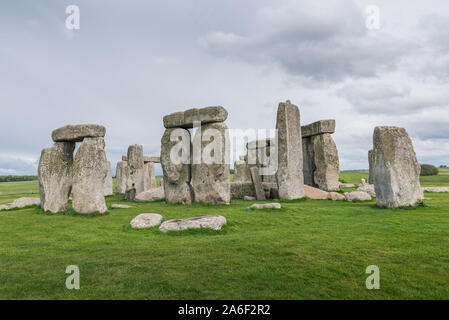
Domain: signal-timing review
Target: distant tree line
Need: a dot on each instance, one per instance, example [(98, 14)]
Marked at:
[(17, 178), (428, 170)]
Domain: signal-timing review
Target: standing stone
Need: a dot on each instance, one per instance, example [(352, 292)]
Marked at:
[(120, 176), (211, 175), (150, 178), (241, 172), (136, 172), (176, 181), (326, 161), (55, 176), (289, 174), (371, 166), (258, 188), (108, 180), (396, 169), (308, 161), (89, 173)]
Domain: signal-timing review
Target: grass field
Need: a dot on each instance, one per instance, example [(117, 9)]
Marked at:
[(307, 250)]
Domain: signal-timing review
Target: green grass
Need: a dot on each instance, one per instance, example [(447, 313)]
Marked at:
[(307, 250)]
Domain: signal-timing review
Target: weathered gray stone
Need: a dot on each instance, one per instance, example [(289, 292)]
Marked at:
[(318, 127), (241, 172), (241, 189), (21, 203), (150, 178), (396, 169), (371, 166), (153, 194), (368, 188), (55, 176), (248, 198), (214, 222), (76, 133), (121, 174), (89, 173), (289, 174), (326, 163), (176, 180), (265, 206), (108, 180), (136, 172), (146, 220), (187, 118), (308, 161), (258, 188), (211, 175), (357, 195)]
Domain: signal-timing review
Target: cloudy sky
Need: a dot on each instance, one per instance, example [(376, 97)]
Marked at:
[(131, 62)]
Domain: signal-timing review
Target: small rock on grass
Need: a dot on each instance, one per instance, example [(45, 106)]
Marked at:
[(249, 198), (265, 206)]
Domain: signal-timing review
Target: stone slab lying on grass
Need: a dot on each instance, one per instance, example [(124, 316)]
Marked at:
[(347, 185), (357, 195), (151, 195), (436, 189), (120, 206), (146, 220), (265, 206), (20, 203), (312, 193), (249, 198), (214, 222), (336, 196)]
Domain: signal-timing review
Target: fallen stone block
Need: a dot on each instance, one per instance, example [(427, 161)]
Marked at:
[(21, 203), (336, 196), (146, 220), (214, 222), (120, 206), (357, 195), (368, 188), (436, 189), (312, 193), (265, 206)]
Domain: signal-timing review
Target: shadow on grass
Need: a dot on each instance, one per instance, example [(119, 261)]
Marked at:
[(72, 213)]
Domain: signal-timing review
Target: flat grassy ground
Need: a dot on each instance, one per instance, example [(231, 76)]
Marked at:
[(307, 250)]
